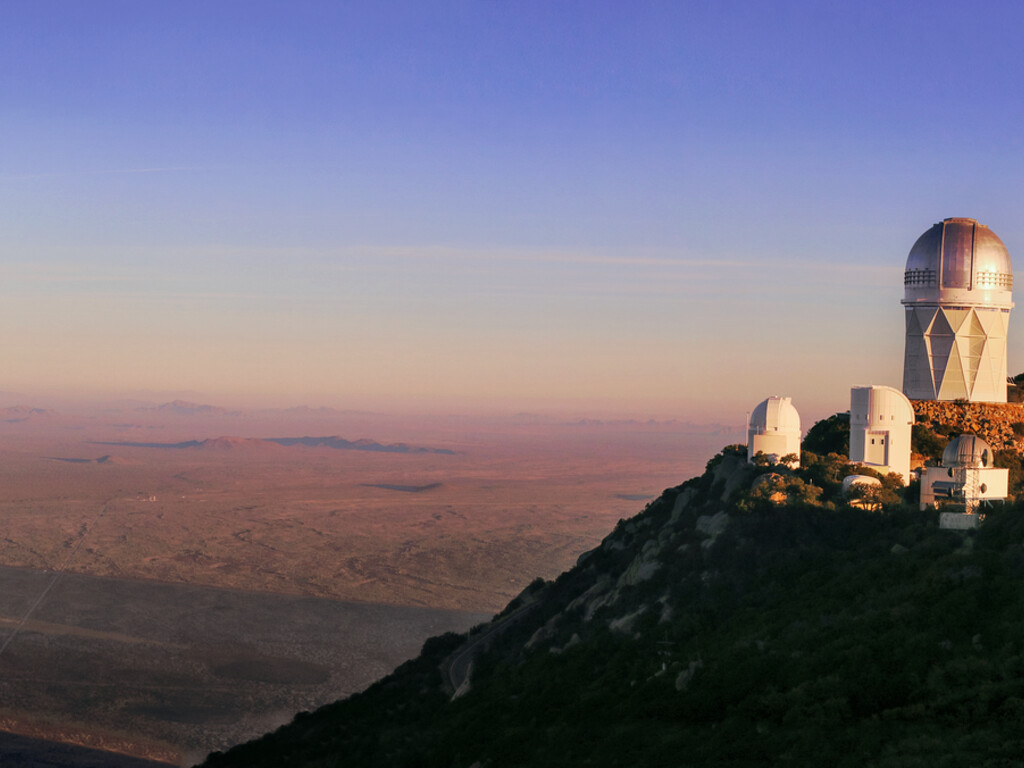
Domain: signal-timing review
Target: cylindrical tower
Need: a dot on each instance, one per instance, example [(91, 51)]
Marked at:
[(958, 296)]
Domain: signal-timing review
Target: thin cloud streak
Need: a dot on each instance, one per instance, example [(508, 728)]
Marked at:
[(30, 275), (100, 172), (582, 258)]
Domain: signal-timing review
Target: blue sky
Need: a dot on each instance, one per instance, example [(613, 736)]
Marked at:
[(674, 208)]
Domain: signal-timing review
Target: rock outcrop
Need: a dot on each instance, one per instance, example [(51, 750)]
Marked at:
[(992, 422)]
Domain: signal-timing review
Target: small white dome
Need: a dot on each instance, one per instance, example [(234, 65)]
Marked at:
[(774, 431), (851, 480), (968, 451)]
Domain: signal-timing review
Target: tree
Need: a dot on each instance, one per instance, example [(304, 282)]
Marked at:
[(925, 442), (826, 472), (831, 435)]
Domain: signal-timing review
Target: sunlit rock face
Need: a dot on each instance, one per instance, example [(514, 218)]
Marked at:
[(958, 295)]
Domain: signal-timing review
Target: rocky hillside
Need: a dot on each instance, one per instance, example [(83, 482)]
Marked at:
[(1001, 425), (745, 618)]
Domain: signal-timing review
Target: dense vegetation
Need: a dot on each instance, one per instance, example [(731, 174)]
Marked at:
[(747, 617)]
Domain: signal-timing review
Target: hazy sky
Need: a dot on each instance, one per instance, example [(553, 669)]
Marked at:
[(673, 208)]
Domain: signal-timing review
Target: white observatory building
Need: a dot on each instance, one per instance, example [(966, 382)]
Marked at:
[(966, 478), (774, 430), (958, 295), (881, 422)]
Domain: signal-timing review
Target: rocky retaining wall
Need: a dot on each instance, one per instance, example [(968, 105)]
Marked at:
[(992, 422)]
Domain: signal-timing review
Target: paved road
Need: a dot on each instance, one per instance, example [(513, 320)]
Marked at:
[(456, 668)]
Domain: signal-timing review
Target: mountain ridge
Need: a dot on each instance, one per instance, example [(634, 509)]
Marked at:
[(745, 617)]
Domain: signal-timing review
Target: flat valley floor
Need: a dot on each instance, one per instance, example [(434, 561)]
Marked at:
[(166, 670), (163, 601)]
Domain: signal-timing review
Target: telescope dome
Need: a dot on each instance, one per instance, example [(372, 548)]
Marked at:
[(774, 430), (967, 451), (776, 414), (959, 260)]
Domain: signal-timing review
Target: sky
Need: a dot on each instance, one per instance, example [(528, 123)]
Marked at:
[(671, 209)]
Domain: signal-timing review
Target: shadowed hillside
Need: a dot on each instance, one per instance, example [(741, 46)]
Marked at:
[(747, 617)]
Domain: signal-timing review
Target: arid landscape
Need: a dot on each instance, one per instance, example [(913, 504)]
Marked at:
[(178, 577)]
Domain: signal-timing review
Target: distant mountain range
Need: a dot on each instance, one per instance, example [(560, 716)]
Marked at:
[(186, 408), (108, 459), (18, 413), (358, 445), (189, 408), (233, 443)]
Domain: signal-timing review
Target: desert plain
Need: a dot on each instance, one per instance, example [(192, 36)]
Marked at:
[(179, 577)]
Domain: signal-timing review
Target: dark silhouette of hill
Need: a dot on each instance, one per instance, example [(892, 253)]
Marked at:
[(236, 443), (111, 460), (403, 488), (212, 443), (747, 617), (107, 460)]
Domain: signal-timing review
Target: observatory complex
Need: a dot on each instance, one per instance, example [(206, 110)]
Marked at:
[(957, 286)]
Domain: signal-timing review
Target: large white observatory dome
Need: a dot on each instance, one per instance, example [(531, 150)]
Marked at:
[(958, 294), (962, 261)]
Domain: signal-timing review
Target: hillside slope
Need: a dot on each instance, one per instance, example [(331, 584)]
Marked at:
[(743, 618)]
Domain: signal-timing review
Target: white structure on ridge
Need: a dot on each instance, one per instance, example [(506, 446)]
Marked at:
[(881, 421), (866, 485), (966, 477), (958, 295), (774, 430)]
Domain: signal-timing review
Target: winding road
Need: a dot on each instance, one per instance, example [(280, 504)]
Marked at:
[(456, 668)]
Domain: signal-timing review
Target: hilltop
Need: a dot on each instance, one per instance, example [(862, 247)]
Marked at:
[(746, 617)]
